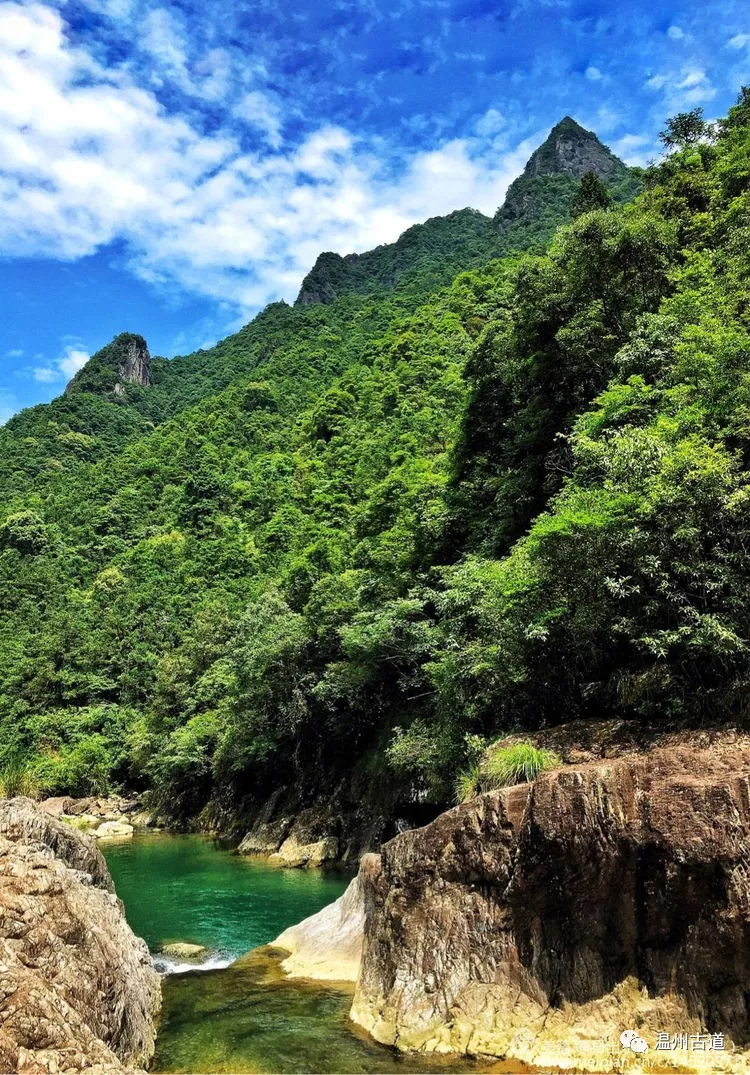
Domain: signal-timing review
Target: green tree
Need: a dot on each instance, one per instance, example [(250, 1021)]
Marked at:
[(591, 194), (685, 129)]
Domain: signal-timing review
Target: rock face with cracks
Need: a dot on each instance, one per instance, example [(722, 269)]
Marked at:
[(540, 921), (78, 991)]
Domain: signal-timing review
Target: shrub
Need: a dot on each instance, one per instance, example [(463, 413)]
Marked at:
[(79, 770), (18, 779)]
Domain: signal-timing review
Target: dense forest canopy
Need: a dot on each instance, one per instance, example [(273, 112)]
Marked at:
[(404, 516)]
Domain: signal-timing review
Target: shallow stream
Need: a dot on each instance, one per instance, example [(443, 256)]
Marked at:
[(242, 1016)]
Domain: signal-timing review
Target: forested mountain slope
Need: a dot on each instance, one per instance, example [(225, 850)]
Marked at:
[(40, 447), (397, 531)]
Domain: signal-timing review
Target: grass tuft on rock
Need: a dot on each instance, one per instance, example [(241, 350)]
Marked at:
[(517, 764), (468, 784)]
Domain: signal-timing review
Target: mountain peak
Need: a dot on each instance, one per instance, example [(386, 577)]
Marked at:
[(122, 362), (570, 149)]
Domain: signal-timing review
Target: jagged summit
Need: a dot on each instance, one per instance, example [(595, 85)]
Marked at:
[(570, 149), (539, 200), (124, 361)]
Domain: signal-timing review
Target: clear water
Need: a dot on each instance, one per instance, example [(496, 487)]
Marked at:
[(190, 888), (244, 1017)]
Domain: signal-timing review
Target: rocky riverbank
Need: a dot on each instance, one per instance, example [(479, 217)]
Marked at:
[(328, 945), (298, 828), (78, 991), (541, 921), (102, 817)]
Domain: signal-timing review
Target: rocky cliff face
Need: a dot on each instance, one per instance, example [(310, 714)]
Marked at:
[(133, 367), (78, 991), (330, 276), (327, 946), (552, 174), (570, 149), (540, 921), (124, 361)]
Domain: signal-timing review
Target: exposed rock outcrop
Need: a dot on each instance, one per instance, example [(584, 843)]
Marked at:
[(104, 818), (78, 991), (553, 172), (350, 819), (330, 276), (124, 361), (328, 945), (570, 149), (540, 921)]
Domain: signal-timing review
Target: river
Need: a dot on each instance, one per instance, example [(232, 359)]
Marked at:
[(242, 1016)]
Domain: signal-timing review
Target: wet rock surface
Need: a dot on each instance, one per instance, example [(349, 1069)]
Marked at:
[(78, 991), (186, 950), (542, 920)]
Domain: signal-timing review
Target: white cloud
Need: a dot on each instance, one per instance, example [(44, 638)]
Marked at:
[(71, 360), (739, 41), (694, 87), (15, 352), (633, 149), (45, 374), (676, 33), (260, 111), (89, 156), (490, 124), (689, 86), (593, 74), (163, 36), (692, 78)]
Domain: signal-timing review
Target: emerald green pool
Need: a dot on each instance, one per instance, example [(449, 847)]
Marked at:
[(190, 888), (243, 1017)]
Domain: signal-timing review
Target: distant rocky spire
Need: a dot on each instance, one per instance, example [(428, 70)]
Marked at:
[(554, 170), (124, 361), (572, 150)]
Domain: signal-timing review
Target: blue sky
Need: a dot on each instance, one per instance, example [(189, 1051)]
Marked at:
[(168, 168)]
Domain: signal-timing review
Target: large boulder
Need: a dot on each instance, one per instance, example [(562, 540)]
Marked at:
[(78, 991), (541, 921), (328, 945), (23, 822), (109, 829)]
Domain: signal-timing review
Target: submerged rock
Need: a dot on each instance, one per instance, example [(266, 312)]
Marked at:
[(78, 990), (193, 953), (108, 829)]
